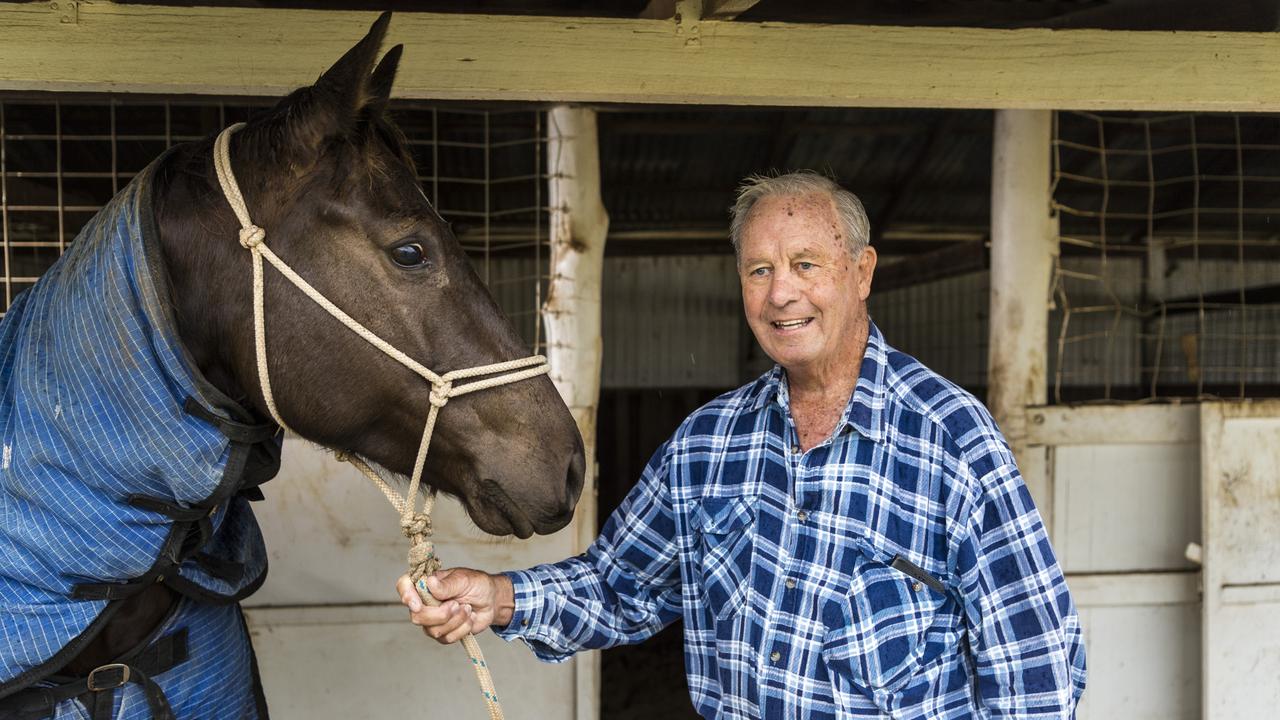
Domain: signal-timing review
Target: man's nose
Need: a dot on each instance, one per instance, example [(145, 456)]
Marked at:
[(782, 289)]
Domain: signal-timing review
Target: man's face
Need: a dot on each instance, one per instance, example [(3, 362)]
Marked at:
[(804, 296)]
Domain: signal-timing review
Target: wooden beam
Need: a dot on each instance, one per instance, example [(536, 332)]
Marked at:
[(1023, 245), (109, 47), (571, 316), (1058, 425), (948, 262), (1127, 589)]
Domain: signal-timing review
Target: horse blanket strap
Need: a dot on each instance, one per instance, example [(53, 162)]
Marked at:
[(198, 664), (120, 464), (97, 689)]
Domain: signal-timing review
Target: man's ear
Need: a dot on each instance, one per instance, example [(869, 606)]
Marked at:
[(865, 267)]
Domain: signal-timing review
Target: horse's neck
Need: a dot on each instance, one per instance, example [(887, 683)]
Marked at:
[(199, 249)]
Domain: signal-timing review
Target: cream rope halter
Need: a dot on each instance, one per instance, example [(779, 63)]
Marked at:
[(415, 524)]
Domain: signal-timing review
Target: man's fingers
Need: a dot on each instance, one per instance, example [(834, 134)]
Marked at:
[(440, 587), (436, 616), (460, 592), (463, 629), (408, 595), (453, 627)]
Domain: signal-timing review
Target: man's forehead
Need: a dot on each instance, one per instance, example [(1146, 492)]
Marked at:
[(808, 223)]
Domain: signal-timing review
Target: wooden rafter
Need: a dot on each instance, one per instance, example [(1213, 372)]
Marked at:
[(260, 51)]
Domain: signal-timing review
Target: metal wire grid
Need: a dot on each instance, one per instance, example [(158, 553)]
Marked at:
[(1168, 282), (62, 159)]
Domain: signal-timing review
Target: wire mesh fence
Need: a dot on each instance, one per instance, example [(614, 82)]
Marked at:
[(62, 158), (1168, 281)]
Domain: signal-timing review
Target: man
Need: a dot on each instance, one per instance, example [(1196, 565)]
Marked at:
[(846, 536)]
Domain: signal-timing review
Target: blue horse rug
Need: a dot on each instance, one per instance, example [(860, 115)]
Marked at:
[(121, 467)]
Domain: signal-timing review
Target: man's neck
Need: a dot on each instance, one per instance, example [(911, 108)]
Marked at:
[(833, 379)]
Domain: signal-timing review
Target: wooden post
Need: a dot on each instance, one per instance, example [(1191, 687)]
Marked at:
[(571, 316), (1023, 247)]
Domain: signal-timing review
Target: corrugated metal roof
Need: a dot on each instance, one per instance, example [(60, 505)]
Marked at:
[(679, 168)]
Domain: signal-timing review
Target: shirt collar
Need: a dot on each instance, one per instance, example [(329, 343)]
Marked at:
[(866, 410)]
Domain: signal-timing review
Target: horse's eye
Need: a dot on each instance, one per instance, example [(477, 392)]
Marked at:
[(408, 255)]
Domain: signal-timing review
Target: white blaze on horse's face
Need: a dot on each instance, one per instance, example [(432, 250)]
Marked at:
[(804, 296)]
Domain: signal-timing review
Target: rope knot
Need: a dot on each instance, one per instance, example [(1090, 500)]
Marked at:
[(440, 394), (416, 524), (421, 555), (252, 236)]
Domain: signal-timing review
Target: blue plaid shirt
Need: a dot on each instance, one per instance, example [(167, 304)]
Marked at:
[(899, 568)]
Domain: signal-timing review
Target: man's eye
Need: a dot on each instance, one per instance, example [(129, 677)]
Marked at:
[(408, 255), (805, 265), (760, 272)]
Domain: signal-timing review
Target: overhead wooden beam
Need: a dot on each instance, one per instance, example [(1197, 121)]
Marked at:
[(259, 51)]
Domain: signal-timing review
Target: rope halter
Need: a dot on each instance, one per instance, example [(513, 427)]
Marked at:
[(416, 524)]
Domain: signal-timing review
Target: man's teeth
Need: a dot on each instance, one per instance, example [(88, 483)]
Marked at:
[(789, 324)]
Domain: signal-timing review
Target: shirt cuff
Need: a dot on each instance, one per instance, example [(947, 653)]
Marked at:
[(526, 619)]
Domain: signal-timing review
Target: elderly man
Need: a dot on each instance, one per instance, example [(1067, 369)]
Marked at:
[(846, 536)]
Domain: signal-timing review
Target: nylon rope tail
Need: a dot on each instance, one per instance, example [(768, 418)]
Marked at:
[(415, 524)]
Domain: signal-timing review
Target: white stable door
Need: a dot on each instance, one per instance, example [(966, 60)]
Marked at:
[(1240, 476)]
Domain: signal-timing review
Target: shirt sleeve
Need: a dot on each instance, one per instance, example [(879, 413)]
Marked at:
[(623, 589), (1022, 624)]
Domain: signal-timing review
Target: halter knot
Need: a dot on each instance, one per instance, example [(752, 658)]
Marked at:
[(416, 524), (252, 236), (421, 554), (440, 394)]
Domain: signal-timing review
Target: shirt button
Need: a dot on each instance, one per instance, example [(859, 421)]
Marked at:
[(802, 516), (775, 656), (525, 622), (918, 587), (795, 449), (791, 583)]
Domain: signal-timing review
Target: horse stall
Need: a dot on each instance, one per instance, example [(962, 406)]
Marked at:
[(1077, 226)]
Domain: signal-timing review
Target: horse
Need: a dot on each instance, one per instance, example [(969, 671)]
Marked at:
[(138, 422)]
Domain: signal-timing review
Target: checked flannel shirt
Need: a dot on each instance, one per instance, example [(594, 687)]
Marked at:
[(897, 569)]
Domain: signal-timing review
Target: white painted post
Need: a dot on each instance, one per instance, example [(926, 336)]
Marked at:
[(571, 316), (1023, 247)]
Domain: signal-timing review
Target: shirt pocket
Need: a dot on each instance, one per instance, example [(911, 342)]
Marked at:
[(895, 624), (725, 526)]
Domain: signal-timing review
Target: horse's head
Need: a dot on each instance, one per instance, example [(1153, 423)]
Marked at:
[(326, 174)]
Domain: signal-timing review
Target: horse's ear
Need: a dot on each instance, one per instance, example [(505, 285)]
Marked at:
[(347, 82), (334, 105), (380, 84)]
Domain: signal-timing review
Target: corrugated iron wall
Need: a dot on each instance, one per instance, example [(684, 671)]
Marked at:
[(672, 322), (676, 322)]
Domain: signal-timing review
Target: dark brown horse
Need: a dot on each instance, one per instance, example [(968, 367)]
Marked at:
[(327, 175)]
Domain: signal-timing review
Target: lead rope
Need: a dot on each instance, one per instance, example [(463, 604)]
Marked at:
[(414, 523)]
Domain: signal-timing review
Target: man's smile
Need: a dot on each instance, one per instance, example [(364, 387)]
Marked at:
[(789, 325)]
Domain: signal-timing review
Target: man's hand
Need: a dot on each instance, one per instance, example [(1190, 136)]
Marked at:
[(470, 601)]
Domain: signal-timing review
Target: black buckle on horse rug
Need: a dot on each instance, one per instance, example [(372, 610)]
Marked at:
[(97, 690), (108, 677)]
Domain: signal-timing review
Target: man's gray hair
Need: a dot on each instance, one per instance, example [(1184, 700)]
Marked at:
[(857, 229)]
